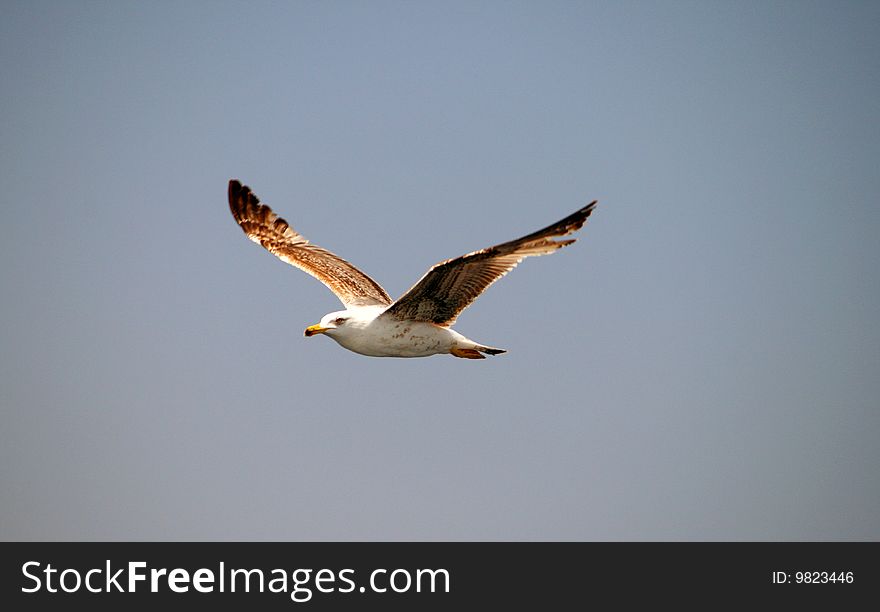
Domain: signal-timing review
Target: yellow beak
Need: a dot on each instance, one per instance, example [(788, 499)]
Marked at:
[(311, 330)]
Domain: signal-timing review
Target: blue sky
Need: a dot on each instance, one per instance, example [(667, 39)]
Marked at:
[(702, 364)]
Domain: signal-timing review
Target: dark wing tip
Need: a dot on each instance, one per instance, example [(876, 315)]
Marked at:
[(242, 201), (236, 190), (574, 221), (564, 227), (580, 217)]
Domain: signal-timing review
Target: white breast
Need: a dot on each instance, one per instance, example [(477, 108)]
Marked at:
[(390, 338)]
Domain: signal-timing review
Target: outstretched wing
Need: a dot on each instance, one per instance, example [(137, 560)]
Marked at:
[(451, 286), (351, 286)]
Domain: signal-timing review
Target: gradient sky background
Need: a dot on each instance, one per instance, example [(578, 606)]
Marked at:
[(703, 364)]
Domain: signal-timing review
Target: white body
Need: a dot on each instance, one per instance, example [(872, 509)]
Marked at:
[(364, 332)]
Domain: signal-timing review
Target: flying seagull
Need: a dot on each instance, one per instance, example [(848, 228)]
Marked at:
[(419, 323)]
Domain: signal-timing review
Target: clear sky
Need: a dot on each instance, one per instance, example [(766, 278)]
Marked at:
[(703, 364)]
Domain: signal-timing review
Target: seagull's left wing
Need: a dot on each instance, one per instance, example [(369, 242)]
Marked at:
[(351, 286), (451, 286)]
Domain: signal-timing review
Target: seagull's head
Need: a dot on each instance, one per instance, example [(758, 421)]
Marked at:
[(345, 323), (330, 324)]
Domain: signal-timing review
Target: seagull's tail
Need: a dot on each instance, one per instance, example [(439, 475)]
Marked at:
[(475, 352), (489, 350)]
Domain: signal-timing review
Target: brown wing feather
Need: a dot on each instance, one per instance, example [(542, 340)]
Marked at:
[(451, 286), (351, 286)]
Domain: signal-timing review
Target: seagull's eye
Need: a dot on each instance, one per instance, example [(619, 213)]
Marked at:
[(340, 321)]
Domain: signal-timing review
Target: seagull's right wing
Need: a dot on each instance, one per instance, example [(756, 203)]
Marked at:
[(451, 286), (351, 286)]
